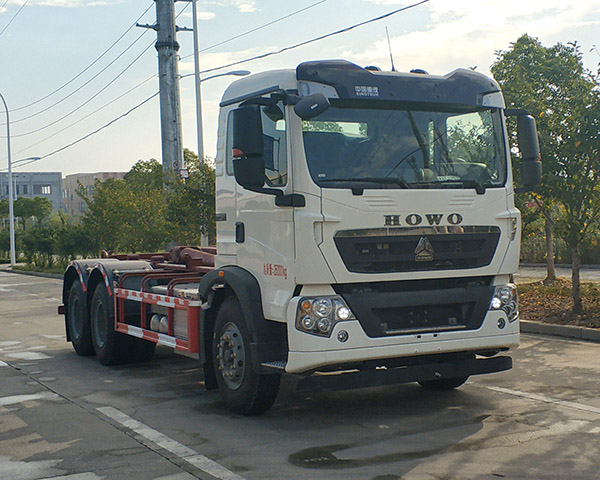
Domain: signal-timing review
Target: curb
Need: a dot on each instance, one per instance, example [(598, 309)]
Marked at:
[(33, 274), (565, 331)]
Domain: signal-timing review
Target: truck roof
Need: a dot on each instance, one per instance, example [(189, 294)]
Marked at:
[(459, 88)]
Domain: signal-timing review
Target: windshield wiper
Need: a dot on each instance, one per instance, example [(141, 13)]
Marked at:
[(380, 180), (468, 183)]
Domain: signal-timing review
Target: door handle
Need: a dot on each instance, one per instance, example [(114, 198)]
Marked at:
[(240, 232)]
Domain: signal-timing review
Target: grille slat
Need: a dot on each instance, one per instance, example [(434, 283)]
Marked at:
[(398, 252)]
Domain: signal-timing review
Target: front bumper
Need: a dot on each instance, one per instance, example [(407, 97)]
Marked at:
[(411, 373), (310, 352)]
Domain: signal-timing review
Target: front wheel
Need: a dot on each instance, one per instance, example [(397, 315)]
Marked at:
[(443, 384), (244, 391)]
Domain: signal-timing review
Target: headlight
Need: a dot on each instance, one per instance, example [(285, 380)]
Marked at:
[(318, 315), (505, 298)]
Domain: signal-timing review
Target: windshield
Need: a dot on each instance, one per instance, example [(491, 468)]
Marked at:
[(369, 148)]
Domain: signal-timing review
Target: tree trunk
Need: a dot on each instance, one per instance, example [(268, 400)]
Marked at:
[(551, 273), (576, 267)]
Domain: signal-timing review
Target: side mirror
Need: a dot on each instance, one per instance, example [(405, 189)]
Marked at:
[(531, 166), (311, 106), (527, 137), (248, 147), (531, 174)]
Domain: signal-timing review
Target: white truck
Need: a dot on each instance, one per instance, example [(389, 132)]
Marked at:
[(366, 234)]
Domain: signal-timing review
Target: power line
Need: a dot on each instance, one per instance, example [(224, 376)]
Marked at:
[(5, 2), (86, 117), (86, 68), (97, 93), (316, 39), (257, 28), (114, 120), (89, 99), (84, 84), (14, 16), (381, 17)]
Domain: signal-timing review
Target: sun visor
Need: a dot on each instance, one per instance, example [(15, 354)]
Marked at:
[(460, 88)]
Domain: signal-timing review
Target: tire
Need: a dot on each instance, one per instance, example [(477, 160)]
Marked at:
[(244, 391), (78, 321), (444, 384), (110, 346)]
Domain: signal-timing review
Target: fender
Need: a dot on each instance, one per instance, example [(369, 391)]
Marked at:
[(93, 271), (269, 341)]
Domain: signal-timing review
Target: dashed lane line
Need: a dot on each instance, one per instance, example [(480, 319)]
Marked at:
[(181, 451), (541, 398)]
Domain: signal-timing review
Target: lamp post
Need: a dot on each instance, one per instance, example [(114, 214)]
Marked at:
[(199, 80), (11, 211)]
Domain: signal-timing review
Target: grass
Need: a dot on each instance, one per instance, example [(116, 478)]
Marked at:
[(31, 268), (553, 303)]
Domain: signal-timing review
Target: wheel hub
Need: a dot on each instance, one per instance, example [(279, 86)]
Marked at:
[(231, 356)]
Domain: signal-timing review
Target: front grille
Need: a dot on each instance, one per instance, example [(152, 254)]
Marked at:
[(420, 306), (413, 250)]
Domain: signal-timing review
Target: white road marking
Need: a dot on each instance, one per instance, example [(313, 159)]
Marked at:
[(2, 364), (185, 453), (26, 470), (76, 476), (28, 356), (542, 398), (14, 399)]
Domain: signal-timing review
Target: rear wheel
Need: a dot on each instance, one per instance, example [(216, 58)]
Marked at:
[(243, 390), (78, 321), (444, 384), (110, 346)]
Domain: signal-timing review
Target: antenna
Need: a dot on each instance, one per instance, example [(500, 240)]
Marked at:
[(390, 48)]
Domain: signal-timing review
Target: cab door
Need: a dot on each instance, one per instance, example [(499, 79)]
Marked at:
[(264, 232)]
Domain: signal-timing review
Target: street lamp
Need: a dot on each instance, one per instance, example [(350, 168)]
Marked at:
[(11, 211), (237, 73)]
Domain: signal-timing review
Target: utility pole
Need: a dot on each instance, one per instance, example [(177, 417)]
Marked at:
[(168, 75), (11, 211), (199, 133)]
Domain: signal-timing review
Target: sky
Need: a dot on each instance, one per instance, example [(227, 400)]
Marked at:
[(59, 88)]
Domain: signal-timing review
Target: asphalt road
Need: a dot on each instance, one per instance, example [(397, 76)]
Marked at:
[(66, 417)]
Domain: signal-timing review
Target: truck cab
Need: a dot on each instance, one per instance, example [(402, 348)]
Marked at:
[(375, 211)]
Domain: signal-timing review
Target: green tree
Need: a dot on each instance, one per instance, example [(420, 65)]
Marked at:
[(4, 208), (564, 98), (140, 214), (128, 215), (191, 203), (38, 208)]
